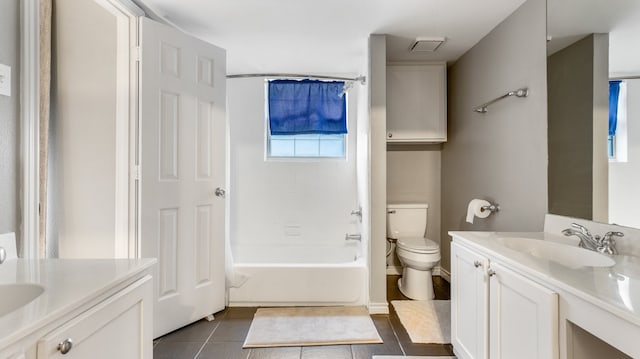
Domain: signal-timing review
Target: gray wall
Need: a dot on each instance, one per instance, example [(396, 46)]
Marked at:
[(378, 113), (413, 176), (575, 89), (9, 119), (500, 155)]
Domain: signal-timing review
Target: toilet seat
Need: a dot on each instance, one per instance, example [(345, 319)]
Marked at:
[(418, 245)]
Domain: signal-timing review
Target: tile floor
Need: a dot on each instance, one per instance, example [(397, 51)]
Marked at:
[(223, 338)]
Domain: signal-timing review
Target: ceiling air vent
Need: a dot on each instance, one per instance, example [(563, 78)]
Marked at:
[(427, 44)]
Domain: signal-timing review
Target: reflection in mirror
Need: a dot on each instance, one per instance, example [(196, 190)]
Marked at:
[(594, 160)]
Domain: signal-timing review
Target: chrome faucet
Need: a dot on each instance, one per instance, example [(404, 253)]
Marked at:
[(605, 244), (3, 255)]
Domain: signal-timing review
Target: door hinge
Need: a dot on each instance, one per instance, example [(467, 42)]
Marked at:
[(137, 173), (136, 53)]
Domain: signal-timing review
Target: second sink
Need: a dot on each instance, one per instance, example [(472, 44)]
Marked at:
[(564, 254)]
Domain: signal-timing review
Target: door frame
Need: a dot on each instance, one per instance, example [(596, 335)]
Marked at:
[(127, 134)]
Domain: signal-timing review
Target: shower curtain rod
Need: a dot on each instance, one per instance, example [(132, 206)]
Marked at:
[(361, 79)]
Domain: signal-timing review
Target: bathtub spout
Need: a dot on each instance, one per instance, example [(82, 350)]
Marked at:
[(353, 237)]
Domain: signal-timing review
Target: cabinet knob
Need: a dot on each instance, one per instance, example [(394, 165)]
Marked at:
[(389, 134), (65, 346), (491, 272), (477, 264)]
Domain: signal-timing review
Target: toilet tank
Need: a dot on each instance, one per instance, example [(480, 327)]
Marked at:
[(406, 220)]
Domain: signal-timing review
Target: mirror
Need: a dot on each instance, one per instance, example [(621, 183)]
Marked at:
[(589, 43)]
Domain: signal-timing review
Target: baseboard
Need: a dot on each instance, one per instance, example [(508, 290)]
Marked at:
[(444, 274), (394, 270), (379, 308)]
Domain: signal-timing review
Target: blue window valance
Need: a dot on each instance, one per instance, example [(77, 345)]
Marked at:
[(614, 94), (307, 107)]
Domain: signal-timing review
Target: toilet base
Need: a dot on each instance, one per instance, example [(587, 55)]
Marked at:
[(416, 284)]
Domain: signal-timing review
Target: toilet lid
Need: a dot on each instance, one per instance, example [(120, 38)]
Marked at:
[(419, 244)]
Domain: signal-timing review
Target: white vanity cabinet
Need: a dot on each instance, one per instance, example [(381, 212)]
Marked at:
[(469, 306), (498, 313), (89, 308), (118, 327), (416, 103)]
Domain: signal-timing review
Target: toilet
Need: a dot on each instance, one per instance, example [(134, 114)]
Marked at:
[(407, 224)]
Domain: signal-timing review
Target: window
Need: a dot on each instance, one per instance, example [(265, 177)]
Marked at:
[(306, 119)]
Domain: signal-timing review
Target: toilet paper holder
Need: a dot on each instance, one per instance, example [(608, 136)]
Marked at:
[(492, 208)]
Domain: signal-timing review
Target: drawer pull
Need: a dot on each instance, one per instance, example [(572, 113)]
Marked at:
[(65, 346)]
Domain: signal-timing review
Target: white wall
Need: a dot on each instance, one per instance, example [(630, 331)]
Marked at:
[(624, 177), (9, 119), (363, 169), (280, 202), (500, 155), (83, 123)]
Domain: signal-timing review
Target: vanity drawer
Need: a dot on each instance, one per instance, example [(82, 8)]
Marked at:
[(119, 327)]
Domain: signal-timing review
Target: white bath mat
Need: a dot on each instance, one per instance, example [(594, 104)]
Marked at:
[(426, 321), (303, 326)]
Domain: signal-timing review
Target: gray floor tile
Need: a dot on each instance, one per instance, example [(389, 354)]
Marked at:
[(275, 353), (223, 350), (231, 330), (240, 312), (196, 332), (176, 350), (328, 351)]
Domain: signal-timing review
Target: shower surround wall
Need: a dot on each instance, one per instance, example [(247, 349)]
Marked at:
[(278, 203)]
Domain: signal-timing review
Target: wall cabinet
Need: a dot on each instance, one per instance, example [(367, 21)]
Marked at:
[(416, 103), (498, 313)]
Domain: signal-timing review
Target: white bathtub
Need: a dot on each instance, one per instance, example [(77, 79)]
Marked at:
[(300, 275)]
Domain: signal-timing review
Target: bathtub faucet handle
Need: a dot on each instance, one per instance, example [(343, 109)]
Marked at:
[(353, 237)]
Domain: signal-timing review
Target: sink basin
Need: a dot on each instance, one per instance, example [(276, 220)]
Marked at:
[(17, 295), (567, 255)]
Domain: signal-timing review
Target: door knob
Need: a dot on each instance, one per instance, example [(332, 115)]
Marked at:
[(220, 192)]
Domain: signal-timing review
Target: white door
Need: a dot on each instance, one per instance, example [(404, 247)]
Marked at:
[(469, 307), (183, 133), (523, 318)]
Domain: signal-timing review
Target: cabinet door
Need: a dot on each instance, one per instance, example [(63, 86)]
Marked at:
[(119, 327), (416, 103), (469, 296), (523, 318)]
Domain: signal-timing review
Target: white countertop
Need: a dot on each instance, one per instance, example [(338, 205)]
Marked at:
[(68, 284), (615, 289)]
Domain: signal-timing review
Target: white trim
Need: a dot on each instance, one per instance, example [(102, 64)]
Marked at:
[(445, 274), (378, 308), (30, 125), (394, 270), (126, 15)]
